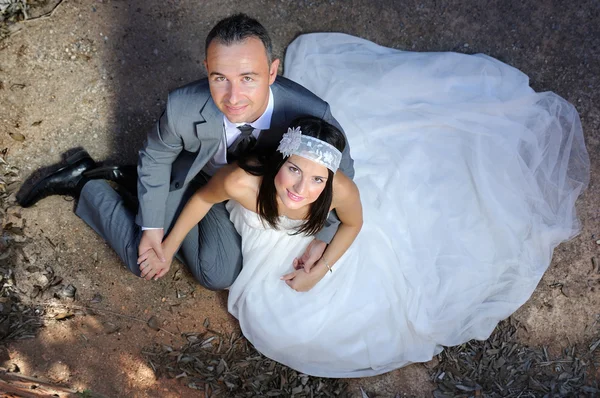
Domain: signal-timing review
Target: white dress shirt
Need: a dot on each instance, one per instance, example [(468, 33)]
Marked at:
[(231, 132)]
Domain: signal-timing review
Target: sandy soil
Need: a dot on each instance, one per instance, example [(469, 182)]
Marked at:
[(96, 75)]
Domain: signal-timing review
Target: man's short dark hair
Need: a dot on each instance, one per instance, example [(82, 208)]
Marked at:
[(237, 28)]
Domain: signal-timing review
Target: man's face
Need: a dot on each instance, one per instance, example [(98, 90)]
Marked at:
[(239, 77)]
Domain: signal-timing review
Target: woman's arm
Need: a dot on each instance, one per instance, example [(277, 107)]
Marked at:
[(217, 189), (349, 210), (347, 204)]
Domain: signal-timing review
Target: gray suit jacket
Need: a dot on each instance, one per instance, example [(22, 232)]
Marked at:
[(188, 134)]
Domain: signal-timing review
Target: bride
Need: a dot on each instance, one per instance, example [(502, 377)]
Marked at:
[(467, 179)]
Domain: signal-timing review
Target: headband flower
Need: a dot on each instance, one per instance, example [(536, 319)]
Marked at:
[(290, 141), (294, 143)]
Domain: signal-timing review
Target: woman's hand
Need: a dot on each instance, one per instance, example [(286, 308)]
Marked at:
[(313, 253), (151, 267), (302, 281)]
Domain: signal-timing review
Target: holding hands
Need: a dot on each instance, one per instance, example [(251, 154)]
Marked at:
[(151, 267), (152, 240), (152, 261)]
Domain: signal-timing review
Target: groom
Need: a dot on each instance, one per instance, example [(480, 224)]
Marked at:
[(242, 105)]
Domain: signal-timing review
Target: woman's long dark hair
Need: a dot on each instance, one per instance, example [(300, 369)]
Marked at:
[(267, 167)]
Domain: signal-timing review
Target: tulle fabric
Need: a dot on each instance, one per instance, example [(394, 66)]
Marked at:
[(468, 180)]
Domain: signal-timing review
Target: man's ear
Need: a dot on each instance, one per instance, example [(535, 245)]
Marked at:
[(273, 71), (205, 66)]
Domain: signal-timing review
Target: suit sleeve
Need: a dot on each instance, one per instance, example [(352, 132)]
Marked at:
[(347, 167), (160, 150)]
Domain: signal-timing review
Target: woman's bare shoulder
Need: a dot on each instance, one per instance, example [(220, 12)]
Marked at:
[(239, 182), (343, 189)]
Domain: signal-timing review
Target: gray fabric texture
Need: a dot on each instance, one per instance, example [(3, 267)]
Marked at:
[(215, 266)]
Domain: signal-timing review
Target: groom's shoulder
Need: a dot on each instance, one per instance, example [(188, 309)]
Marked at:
[(289, 89)]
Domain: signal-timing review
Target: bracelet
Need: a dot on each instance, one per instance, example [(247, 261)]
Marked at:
[(327, 265)]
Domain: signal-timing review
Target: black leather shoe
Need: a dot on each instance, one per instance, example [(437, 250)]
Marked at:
[(67, 180), (125, 176)]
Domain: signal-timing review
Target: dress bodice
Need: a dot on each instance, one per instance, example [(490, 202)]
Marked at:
[(240, 213)]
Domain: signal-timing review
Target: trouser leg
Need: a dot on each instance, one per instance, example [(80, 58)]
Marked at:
[(211, 250), (104, 210)]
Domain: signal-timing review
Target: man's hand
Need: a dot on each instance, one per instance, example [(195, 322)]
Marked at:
[(313, 253), (151, 240)]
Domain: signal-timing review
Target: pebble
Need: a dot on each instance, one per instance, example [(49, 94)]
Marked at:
[(598, 242)]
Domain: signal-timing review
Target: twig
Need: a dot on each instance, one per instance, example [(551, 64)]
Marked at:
[(553, 362), (47, 15), (22, 391), (8, 376), (83, 307), (33, 387)]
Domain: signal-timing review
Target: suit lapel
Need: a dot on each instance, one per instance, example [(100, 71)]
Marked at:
[(209, 130), (210, 125)]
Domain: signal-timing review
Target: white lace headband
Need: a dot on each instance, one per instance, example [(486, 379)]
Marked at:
[(294, 143)]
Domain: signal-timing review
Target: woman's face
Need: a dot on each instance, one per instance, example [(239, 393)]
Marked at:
[(300, 181)]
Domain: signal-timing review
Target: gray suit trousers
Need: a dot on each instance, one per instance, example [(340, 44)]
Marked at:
[(211, 250)]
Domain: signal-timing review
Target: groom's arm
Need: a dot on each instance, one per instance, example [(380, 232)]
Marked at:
[(160, 150), (347, 167)]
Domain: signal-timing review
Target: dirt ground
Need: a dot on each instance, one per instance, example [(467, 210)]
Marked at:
[(96, 75)]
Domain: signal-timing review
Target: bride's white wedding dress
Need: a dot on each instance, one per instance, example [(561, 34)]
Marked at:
[(468, 180)]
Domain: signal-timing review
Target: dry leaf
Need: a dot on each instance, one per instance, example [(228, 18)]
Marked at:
[(177, 275), (56, 280), (153, 323), (17, 136), (63, 315), (111, 328), (97, 298), (66, 292)]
